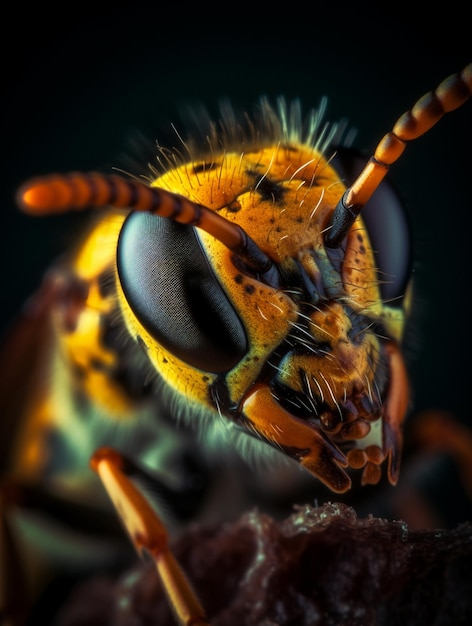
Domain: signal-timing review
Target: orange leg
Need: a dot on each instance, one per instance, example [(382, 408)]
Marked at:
[(439, 431), (148, 535), (395, 410)]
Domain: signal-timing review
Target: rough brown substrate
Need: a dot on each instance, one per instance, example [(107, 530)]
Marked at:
[(320, 566)]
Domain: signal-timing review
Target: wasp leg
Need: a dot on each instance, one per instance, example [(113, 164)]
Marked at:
[(395, 409), (300, 440), (148, 535), (439, 431)]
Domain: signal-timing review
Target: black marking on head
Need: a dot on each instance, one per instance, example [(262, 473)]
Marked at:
[(234, 207), (268, 189), (205, 167), (219, 395)]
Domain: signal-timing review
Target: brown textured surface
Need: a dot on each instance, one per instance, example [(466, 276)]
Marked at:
[(320, 566)]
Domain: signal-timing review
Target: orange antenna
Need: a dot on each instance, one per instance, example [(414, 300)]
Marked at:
[(449, 95), (60, 193)]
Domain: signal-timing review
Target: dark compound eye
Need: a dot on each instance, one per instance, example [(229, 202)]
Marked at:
[(387, 224), (175, 295)]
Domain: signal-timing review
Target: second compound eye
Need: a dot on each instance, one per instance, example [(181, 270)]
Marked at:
[(173, 292)]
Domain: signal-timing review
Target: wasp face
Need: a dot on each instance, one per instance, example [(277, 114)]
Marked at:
[(297, 357)]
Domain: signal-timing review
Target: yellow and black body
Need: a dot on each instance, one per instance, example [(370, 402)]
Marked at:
[(211, 293)]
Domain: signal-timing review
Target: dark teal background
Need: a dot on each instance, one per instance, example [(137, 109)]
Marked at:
[(80, 87)]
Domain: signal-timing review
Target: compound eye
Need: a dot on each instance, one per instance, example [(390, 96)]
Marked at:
[(386, 221), (173, 292)]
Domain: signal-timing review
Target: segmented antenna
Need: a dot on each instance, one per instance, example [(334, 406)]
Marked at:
[(429, 109), (59, 193)]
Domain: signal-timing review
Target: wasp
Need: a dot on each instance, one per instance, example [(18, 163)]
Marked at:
[(244, 291)]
